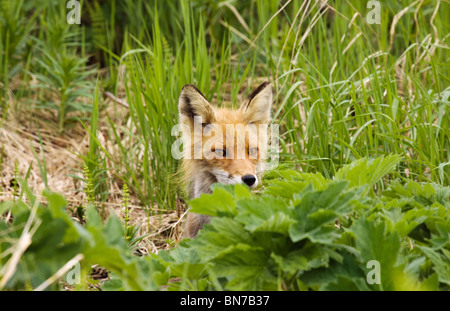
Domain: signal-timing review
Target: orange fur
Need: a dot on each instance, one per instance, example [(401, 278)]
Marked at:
[(238, 135)]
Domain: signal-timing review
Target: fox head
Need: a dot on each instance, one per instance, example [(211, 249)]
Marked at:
[(223, 145)]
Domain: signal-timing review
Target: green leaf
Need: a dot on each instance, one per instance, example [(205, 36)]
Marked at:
[(184, 262), (364, 172), (265, 213), (110, 250), (220, 202), (6, 206), (404, 223), (114, 231), (441, 263), (318, 210), (442, 238), (308, 257), (294, 182), (57, 205), (218, 236), (344, 275), (284, 188), (375, 243), (247, 268), (241, 191)]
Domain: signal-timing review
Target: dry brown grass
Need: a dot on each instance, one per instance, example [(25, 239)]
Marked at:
[(19, 136)]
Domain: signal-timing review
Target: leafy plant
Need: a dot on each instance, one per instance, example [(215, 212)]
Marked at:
[(320, 234), (38, 230), (89, 186), (14, 33), (65, 75), (131, 235)]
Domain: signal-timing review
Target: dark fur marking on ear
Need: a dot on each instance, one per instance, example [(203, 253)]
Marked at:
[(195, 88), (256, 92), (187, 109)]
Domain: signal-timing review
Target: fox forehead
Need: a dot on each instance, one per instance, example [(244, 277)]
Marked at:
[(228, 116), (230, 133)]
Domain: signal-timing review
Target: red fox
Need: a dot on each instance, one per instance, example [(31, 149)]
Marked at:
[(236, 151)]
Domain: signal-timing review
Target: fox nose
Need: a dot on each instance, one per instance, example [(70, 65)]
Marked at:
[(249, 180)]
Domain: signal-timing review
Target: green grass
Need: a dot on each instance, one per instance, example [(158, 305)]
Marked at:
[(344, 89)]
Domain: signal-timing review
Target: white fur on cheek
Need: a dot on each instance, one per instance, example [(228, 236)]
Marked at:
[(224, 178)]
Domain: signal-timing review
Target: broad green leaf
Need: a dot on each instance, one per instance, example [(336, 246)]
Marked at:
[(57, 205), (375, 243), (284, 188), (184, 262), (265, 213), (294, 183), (242, 191), (114, 231), (317, 212), (109, 249), (344, 275), (246, 267), (220, 234), (220, 202), (6, 206), (441, 263), (364, 172), (442, 238), (308, 257), (404, 223)]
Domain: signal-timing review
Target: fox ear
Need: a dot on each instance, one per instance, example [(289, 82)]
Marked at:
[(193, 104), (257, 107)]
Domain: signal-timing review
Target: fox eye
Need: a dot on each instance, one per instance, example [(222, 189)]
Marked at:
[(219, 152), (253, 151)]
